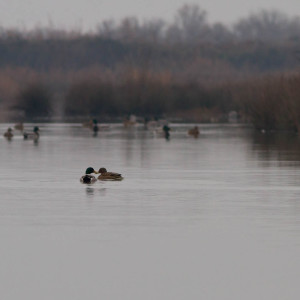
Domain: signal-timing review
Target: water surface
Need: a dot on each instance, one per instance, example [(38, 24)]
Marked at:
[(217, 217)]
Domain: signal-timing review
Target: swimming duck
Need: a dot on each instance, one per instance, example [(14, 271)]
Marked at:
[(104, 175), (129, 121), (88, 178), (19, 126), (33, 136), (88, 124), (194, 132), (166, 130), (8, 134)]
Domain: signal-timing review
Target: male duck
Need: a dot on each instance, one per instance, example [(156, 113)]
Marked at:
[(104, 175), (35, 135), (87, 178)]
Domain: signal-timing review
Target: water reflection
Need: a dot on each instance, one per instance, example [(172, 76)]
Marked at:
[(92, 191), (102, 191), (281, 147), (211, 207)]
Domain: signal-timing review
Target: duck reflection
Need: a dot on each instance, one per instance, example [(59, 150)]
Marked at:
[(91, 191), (95, 128)]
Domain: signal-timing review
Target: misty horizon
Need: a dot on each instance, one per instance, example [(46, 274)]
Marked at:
[(80, 24)]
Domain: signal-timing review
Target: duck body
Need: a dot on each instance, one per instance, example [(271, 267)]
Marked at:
[(104, 175), (88, 124), (194, 132), (88, 178), (31, 136), (166, 130), (130, 121), (19, 126)]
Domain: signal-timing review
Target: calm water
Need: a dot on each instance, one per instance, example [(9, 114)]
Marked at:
[(216, 217)]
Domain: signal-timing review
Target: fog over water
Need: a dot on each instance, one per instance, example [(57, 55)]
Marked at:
[(216, 217)]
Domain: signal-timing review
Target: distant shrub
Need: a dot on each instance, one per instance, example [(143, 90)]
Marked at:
[(273, 102), (35, 100), (90, 97)]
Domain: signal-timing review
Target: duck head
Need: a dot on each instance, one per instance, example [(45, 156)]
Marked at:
[(102, 170), (90, 170)]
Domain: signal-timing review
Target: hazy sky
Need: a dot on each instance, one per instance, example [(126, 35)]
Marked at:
[(86, 14)]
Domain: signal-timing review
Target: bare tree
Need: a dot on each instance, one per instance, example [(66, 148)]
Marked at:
[(219, 33), (107, 29), (152, 31), (190, 24), (129, 29), (263, 26)]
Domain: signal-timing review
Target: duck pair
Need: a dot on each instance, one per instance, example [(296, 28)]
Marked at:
[(104, 175)]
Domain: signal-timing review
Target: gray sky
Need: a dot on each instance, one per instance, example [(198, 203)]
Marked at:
[(85, 14)]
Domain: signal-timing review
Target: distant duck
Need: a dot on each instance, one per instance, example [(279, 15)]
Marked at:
[(166, 130), (8, 134), (151, 125), (35, 135), (129, 121), (88, 178), (104, 175), (194, 132), (95, 127), (88, 124), (19, 126)]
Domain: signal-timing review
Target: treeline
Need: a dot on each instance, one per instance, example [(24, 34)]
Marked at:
[(265, 41), (270, 102), (86, 51)]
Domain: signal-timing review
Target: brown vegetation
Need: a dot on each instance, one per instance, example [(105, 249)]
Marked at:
[(271, 102), (187, 69)]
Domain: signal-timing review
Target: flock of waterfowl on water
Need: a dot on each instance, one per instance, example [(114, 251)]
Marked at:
[(104, 175), (159, 127), (88, 178), (27, 135)]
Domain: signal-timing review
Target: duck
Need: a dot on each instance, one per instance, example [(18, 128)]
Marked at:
[(88, 178), (33, 136), (8, 134), (129, 121), (88, 124), (95, 127), (104, 175), (19, 126), (166, 130), (194, 132)]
